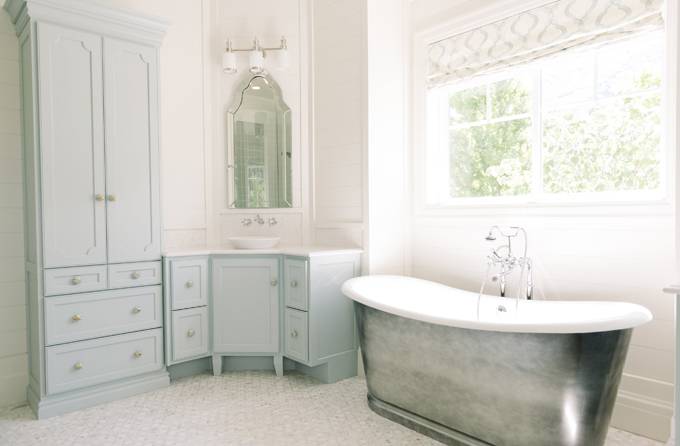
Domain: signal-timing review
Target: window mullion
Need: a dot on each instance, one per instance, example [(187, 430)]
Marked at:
[(536, 139)]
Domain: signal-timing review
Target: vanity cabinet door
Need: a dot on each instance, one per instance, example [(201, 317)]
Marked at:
[(71, 146), (132, 185), (245, 305)]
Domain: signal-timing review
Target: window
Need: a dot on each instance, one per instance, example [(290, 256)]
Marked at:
[(584, 124)]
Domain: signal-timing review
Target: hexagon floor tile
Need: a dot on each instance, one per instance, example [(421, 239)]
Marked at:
[(239, 408)]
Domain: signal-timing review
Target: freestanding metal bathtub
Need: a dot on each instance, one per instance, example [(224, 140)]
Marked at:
[(491, 371)]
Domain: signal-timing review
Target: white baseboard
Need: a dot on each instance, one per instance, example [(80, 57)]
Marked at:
[(642, 415)]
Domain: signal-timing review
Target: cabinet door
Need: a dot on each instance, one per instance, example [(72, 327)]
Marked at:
[(132, 183), (245, 305), (72, 146)]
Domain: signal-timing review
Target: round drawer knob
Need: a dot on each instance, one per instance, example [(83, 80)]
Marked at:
[(189, 283), (191, 332), (76, 280), (274, 282), (136, 310), (137, 354), (294, 334), (76, 318), (293, 283), (78, 365), (111, 197), (99, 197), (135, 275)]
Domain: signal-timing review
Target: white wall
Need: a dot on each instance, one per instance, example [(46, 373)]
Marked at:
[(360, 133), (339, 114), (13, 361), (388, 199), (604, 253)]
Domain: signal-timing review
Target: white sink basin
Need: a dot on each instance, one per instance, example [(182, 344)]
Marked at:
[(254, 242)]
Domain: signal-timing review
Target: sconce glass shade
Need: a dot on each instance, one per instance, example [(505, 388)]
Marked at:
[(256, 59), (281, 60), (229, 62)]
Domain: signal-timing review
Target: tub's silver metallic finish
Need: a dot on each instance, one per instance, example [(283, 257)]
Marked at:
[(474, 387)]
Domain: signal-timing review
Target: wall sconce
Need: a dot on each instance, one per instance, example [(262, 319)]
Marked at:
[(256, 56)]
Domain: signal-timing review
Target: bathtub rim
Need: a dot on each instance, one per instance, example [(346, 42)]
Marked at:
[(635, 316)]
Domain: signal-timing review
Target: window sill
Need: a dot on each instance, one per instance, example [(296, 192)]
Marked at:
[(658, 207)]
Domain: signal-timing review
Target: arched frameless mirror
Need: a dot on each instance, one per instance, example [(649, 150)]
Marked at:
[(259, 148)]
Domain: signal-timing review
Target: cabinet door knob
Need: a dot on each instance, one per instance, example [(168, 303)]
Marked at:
[(76, 318), (76, 280), (191, 332), (99, 197), (137, 354), (78, 365), (111, 197), (136, 310), (135, 275), (189, 283), (293, 283), (294, 334), (274, 282)]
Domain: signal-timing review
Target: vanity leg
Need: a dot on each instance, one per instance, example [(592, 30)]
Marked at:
[(278, 365), (217, 365)]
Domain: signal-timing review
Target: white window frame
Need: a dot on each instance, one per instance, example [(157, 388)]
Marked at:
[(429, 189)]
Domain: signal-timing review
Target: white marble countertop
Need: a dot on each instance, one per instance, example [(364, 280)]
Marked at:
[(301, 251)]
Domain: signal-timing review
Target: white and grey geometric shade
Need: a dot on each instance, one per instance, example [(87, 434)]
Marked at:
[(540, 32)]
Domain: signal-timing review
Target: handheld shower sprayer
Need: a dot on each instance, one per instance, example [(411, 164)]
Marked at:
[(503, 257)]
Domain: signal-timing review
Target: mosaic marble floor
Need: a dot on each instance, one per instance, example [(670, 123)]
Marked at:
[(243, 408)]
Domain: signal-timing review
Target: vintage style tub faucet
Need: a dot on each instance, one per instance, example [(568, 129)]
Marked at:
[(505, 262)]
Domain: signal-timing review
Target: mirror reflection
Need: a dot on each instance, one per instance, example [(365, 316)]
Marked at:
[(259, 146)]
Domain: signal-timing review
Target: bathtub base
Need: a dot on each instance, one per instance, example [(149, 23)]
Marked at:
[(510, 389), (422, 425)]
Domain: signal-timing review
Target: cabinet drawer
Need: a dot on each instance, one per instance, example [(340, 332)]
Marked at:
[(188, 283), (86, 363), (92, 315), (189, 333), (295, 335), (78, 279), (295, 283), (126, 275)]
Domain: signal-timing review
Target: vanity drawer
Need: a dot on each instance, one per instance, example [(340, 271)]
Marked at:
[(77, 279), (295, 335), (92, 315), (295, 283), (125, 275), (189, 283), (189, 333), (86, 363)]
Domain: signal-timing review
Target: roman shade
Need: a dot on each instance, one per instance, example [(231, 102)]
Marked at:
[(536, 33)]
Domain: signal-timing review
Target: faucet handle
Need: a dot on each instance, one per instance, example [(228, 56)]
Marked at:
[(272, 221), (246, 221)]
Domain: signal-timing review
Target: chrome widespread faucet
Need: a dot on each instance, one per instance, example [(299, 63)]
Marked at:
[(503, 258)]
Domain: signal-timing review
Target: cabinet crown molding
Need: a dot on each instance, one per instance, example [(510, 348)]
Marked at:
[(91, 16)]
